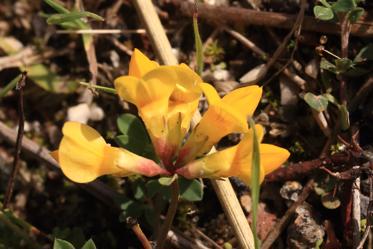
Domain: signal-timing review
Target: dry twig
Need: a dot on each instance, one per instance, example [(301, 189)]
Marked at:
[(280, 225), (21, 121), (223, 15)]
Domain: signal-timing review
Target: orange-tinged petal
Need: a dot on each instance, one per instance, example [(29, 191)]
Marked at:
[(84, 155), (237, 160), (210, 166), (217, 122), (211, 94), (271, 157), (140, 64), (244, 99)]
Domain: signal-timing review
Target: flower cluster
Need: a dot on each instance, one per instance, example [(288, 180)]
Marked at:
[(166, 98)]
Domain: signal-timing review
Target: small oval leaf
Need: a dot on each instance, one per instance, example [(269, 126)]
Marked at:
[(318, 103), (330, 202), (89, 245), (62, 244), (323, 13)]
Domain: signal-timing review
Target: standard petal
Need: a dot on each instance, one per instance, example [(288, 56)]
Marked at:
[(140, 64), (244, 99), (81, 153), (271, 157), (84, 155)]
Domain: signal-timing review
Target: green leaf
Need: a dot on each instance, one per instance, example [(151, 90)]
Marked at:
[(325, 3), (343, 65), (255, 184), (365, 54), (89, 245), (138, 188), (167, 181), (131, 208), (318, 103), (330, 201), (72, 16), (355, 14), (327, 65), (191, 190), (330, 98), (135, 137), (62, 244), (128, 123), (198, 44), (153, 187), (323, 13), (343, 6), (57, 6)]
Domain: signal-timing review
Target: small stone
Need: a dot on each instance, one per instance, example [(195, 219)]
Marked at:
[(291, 190), (306, 229)]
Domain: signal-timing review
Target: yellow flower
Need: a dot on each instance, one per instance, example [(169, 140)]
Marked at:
[(224, 116), (237, 160), (84, 155), (166, 98)]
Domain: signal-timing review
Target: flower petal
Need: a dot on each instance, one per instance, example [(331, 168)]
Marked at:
[(210, 166), (217, 122), (211, 94), (84, 155), (81, 153), (244, 99), (271, 157), (140, 64)]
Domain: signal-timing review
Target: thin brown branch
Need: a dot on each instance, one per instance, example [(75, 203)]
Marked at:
[(294, 31), (280, 225), (253, 47), (134, 225), (302, 169), (21, 121), (223, 15), (170, 215)]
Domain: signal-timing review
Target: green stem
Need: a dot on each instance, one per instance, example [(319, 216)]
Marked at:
[(170, 214), (255, 183), (102, 88)]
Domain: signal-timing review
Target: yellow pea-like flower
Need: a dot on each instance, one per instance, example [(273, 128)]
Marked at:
[(237, 160), (84, 155), (166, 98), (224, 116)]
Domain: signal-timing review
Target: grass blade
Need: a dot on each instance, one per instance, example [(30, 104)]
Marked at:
[(57, 6), (255, 184), (198, 43), (72, 16)]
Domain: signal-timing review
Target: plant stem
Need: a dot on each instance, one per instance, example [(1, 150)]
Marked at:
[(102, 88), (170, 214), (9, 189), (132, 222)]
